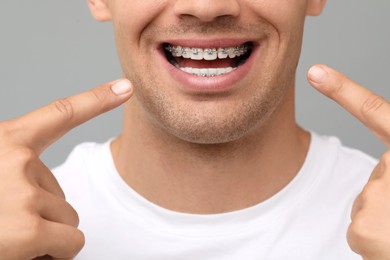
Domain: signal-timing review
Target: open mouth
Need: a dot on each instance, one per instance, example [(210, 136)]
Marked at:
[(207, 62)]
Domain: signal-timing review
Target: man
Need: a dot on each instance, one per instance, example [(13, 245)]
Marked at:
[(210, 163)]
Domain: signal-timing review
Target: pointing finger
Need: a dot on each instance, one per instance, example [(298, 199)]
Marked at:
[(42, 127), (368, 107)]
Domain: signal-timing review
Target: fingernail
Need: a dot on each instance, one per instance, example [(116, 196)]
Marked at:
[(121, 87), (318, 75)]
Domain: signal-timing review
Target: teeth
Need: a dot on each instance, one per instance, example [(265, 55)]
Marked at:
[(177, 52), (208, 53), (211, 72), (186, 53), (222, 53), (196, 54), (231, 53)]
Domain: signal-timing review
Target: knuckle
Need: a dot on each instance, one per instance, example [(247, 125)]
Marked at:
[(24, 155), (73, 216), (30, 195), (339, 89), (75, 242), (65, 107), (360, 229), (8, 130), (76, 219), (18, 236), (385, 160), (372, 190), (363, 234), (33, 228), (101, 95), (4, 129), (79, 239), (372, 104)]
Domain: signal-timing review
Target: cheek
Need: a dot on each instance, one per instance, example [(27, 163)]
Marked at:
[(284, 15), (131, 17)]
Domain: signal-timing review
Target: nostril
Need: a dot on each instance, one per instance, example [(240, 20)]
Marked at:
[(207, 10)]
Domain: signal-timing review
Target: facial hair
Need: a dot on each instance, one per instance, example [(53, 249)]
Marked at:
[(210, 119)]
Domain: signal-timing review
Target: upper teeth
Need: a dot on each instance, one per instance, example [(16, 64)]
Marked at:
[(207, 53)]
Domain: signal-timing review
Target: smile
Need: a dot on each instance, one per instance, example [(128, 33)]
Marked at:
[(207, 62)]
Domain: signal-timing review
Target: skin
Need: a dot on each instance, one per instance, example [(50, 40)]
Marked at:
[(226, 155), (183, 153), (36, 220), (369, 232), (194, 117)]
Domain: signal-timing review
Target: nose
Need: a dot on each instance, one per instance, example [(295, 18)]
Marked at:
[(207, 10)]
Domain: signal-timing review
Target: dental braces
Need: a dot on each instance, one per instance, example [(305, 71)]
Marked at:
[(178, 51)]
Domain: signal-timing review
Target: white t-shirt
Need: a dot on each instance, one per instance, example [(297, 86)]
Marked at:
[(307, 220)]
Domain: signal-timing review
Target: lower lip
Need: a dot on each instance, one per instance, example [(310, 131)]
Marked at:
[(221, 83)]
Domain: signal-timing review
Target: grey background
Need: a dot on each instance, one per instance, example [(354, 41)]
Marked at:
[(51, 49)]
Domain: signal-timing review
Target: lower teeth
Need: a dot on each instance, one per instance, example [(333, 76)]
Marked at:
[(210, 72)]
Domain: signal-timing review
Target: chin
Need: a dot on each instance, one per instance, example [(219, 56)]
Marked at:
[(209, 138), (213, 129), (219, 118)]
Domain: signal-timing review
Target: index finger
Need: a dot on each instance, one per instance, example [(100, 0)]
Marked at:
[(40, 128), (370, 108)]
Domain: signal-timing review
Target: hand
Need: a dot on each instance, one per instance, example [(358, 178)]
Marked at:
[(369, 232), (35, 219)]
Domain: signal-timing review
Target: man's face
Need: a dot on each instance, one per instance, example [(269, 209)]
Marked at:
[(208, 71)]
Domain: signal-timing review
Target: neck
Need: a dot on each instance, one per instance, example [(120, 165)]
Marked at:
[(207, 179)]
